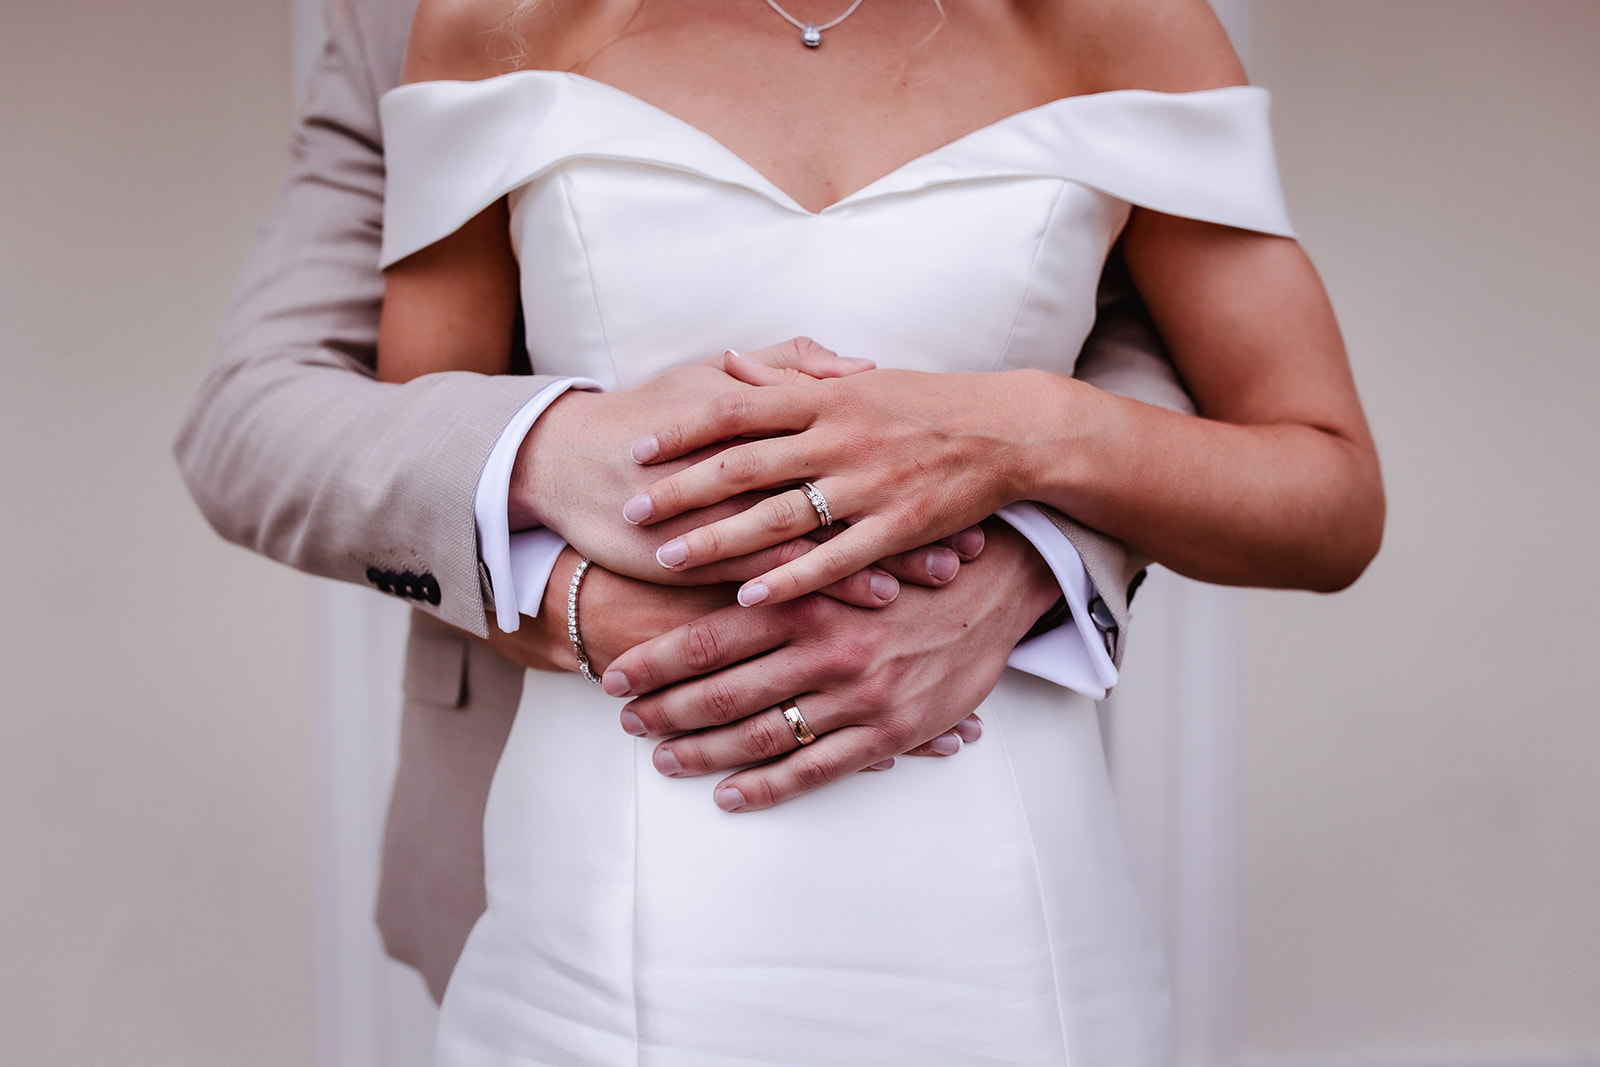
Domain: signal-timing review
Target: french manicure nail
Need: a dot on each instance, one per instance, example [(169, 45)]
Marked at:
[(645, 450), (884, 587), (946, 744), (943, 564), (735, 355), (752, 594), (672, 554), (728, 798), (882, 765), (632, 724), (616, 684), (668, 764), (969, 542), (638, 509)]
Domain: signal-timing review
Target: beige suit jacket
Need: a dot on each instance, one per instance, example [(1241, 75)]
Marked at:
[(291, 448)]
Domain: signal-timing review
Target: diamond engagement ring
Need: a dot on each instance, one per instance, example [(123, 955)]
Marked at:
[(819, 502), (797, 722)]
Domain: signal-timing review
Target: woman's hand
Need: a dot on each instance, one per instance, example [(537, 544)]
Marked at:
[(905, 457), (871, 685), (572, 472)]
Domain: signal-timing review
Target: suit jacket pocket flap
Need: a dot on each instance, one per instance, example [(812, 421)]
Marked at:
[(436, 670)]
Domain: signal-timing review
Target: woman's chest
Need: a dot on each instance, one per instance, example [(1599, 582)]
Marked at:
[(629, 269)]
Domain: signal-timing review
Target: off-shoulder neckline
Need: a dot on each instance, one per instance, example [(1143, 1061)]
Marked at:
[(965, 140)]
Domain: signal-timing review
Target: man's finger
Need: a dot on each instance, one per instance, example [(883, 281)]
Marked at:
[(755, 738), (930, 565), (725, 696), (833, 756)]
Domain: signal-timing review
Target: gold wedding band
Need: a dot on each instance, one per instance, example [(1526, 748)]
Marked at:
[(797, 722)]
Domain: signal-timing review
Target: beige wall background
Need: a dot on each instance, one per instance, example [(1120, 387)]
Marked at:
[(155, 902), (1419, 795), (1419, 811)]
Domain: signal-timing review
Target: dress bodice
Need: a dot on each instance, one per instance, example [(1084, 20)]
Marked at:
[(632, 924), (645, 243)]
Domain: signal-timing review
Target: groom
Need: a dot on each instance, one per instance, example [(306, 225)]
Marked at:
[(291, 448)]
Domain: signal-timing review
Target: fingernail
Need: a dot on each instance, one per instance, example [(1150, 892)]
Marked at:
[(616, 684), (884, 587), (969, 730), (946, 744), (735, 355), (752, 594), (728, 798), (882, 765), (858, 361), (638, 509), (668, 764), (969, 542), (631, 722), (943, 564), (672, 554), (645, 450)]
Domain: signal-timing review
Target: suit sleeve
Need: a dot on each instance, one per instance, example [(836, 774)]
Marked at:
[(290, 446), (1124, 354)]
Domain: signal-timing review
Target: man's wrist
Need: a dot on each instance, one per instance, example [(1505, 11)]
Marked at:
[(1032, 585), (542, 452)]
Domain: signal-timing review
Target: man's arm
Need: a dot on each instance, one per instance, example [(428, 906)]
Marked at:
[(289, 446)]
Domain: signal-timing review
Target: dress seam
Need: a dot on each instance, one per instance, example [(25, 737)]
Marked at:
[(570, 201), (1038, 883), (1033, 274)]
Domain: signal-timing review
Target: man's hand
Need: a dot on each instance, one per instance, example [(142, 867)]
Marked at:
[(871, 685)]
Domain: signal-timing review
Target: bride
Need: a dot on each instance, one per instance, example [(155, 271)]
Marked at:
[(934, 187)]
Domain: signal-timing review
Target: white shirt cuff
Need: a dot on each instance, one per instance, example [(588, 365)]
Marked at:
[(1074, 656), (493, 496)]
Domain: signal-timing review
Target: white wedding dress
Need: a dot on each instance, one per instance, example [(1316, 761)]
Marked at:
[(966, 911)]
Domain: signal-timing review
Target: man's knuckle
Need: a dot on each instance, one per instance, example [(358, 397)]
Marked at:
[(722, 701), (843, 653), (763, 737), (816, 770), (657, 718), (759, 792), (702, 647)]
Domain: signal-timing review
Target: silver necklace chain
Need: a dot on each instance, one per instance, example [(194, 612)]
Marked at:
[(810, 32)]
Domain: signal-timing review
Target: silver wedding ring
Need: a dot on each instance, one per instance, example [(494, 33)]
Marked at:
[(819, 502), (797, 722)]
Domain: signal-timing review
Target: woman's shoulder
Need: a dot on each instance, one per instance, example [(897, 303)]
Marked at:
[(470, 40), (459, 40), (1170, 46)]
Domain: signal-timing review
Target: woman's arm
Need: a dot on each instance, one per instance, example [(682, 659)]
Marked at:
[(1277, 485), (453, 305)]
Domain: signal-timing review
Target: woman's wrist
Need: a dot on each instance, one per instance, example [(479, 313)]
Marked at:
[(1055, 421)]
